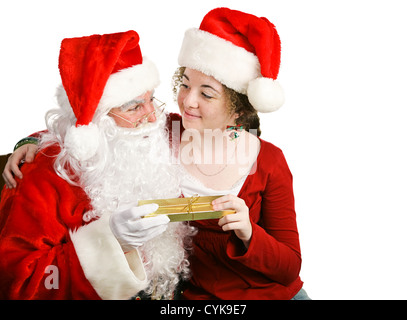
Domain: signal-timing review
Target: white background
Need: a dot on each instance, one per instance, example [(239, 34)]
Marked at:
[(342, 127)]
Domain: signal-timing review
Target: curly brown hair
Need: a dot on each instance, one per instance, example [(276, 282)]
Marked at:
[(237, 103)]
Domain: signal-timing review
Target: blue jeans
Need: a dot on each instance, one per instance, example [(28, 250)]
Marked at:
[(301, 295)]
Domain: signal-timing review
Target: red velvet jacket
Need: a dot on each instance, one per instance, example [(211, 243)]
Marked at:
[(34, 223), (46, 249)]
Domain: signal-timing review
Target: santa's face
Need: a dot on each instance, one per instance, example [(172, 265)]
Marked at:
[(137, 112), (203, 103)]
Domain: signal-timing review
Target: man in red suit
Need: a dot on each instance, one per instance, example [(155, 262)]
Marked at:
[(72, 229)]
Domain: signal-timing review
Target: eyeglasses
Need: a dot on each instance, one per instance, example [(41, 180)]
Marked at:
[(159, 108)]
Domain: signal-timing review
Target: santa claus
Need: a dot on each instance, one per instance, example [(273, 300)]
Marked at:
[(72, 228)]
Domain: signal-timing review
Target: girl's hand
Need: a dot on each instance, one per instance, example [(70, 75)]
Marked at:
[(27, 153), (238, 222)]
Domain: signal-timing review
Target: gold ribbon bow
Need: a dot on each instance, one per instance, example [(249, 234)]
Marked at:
[(188, 207)]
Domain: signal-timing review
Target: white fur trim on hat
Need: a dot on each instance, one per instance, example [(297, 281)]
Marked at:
[(122, 86), (231, 65), (265, 94), (127, 84), (82, 142)]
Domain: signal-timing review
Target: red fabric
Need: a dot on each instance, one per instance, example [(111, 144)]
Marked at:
[(270, 268), (35, 219), (37, 134), (86, 64)]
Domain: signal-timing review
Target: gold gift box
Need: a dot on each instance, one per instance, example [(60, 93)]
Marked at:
[(187, 209)]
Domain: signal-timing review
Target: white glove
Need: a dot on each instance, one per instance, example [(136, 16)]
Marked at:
[(131, 230)]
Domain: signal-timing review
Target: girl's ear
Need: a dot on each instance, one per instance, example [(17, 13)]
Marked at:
[(236, 116)]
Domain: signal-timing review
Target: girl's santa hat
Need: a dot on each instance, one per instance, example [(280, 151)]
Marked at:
[(241, 51), (100, 72)]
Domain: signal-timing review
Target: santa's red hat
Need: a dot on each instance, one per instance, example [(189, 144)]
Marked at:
[(100, 72), (241, 51)]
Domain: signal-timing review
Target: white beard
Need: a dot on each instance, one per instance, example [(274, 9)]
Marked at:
[(132, 165), (139, 167)]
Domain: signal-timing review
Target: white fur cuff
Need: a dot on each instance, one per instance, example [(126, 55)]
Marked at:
[(113, 275)]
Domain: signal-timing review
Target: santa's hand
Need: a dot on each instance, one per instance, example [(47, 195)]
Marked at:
[(131, 230)]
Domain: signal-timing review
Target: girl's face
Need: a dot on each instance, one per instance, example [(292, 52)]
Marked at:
[(203, 103)]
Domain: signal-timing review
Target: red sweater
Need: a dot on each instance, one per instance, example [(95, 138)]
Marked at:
[(269, 269)]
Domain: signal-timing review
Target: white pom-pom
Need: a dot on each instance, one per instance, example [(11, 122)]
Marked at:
[(83, 141), (265, 94)]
